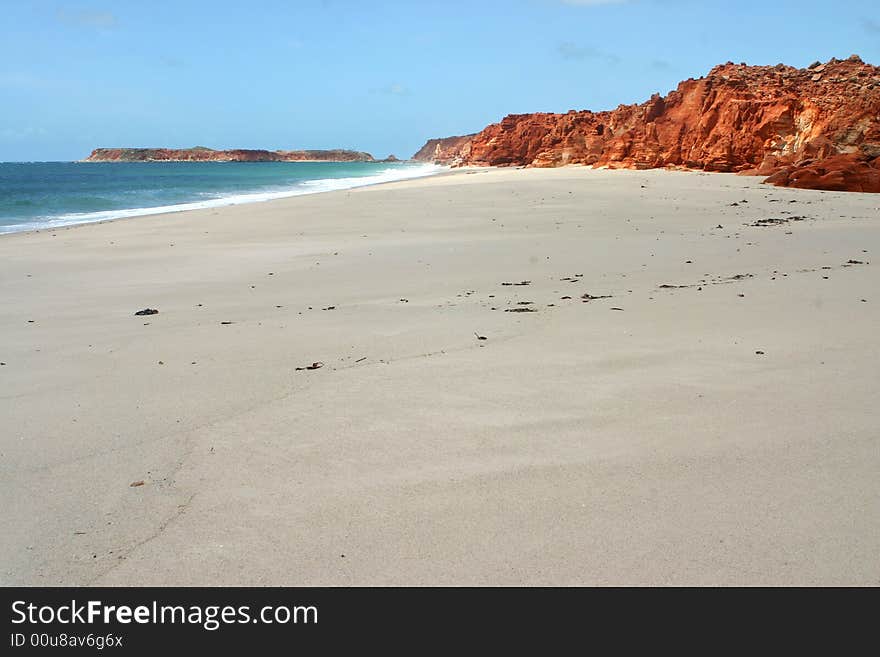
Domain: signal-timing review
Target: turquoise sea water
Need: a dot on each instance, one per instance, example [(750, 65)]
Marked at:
[(37, 195)]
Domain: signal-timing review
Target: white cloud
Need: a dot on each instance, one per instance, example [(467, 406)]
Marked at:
[(103, 20)]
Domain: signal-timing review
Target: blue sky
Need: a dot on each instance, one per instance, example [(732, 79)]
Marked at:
[(371, 75)]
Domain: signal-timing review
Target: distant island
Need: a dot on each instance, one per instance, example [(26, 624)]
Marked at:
[(203, 154)]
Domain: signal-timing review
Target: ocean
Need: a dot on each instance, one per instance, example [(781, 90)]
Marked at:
[(35, 195)]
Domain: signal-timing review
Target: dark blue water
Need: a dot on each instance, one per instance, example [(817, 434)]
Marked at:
[(37, 195)]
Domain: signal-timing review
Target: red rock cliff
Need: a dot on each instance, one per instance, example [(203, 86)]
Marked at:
[(449, 150), (817, 127)]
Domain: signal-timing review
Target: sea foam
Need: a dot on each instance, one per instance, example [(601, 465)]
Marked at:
[(301, 188)]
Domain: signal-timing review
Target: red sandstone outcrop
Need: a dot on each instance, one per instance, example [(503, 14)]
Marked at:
[(817, 127), (852, 172), (449, 150), (202, 154)]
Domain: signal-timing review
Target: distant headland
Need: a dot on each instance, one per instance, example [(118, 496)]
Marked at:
[(815, 128), (203, 154)]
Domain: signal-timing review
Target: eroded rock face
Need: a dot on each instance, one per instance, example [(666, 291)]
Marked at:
[(852, 172), (817, 127), (449, 150), (201, 154)]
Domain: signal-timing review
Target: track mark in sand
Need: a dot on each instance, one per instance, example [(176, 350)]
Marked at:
[(127, 552)]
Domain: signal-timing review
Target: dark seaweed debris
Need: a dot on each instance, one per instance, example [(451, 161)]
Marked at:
[(776, 221)]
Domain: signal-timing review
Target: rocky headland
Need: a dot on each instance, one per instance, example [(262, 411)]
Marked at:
[(816, 128)]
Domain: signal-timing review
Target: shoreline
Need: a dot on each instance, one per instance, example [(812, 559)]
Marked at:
[(223, 201), (527, 377), (444, 170)]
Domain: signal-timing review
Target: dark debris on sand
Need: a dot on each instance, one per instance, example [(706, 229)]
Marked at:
[(776, 221)]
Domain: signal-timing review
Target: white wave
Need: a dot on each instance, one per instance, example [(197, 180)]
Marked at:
[(317, 186)]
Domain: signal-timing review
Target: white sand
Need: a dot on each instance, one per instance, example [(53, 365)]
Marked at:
[(576, 445)]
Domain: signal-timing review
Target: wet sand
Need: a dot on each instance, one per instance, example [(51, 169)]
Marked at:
[(313, 402)]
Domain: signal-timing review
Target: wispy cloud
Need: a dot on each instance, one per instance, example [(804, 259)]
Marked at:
[(570, 50), (871, 25), (21, 80), (592, 3), (392, 90), (18, 134), (172, 62), (96, 19)]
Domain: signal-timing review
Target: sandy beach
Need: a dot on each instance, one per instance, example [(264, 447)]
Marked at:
[(710, 418)]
